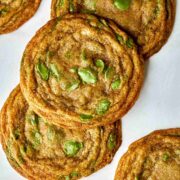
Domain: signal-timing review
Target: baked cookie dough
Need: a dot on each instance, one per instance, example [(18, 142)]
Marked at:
[(81, 71), (14, 13), (156, 156), (149, 22), (39, 150)]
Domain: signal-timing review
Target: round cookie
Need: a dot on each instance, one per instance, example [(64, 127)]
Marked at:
[(14, 13), (156, 156), (39, 150), (149, 22), (80, 71)]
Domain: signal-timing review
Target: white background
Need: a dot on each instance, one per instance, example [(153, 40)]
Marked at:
[(158, 106)]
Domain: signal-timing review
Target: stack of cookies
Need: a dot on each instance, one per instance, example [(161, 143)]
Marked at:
[(80, 74)]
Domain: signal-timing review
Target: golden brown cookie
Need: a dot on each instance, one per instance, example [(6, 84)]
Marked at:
[(39, 150), (155, 157), (14, 13), (149, 22), (80, 71)]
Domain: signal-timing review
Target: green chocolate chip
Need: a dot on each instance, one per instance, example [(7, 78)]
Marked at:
[(130, 42), (20, 159), (85, 117), (165, 157), (73, 85), (23, 149), (3, 11), (71, 6), (42, 70), (116, 84), (156, 10), (103, 106), (71, 148), (120, 38), (100, 64), (87, 75), (67, 177), (74, 174), (68, 54), (122, 4), (136, 178), (111, 141), (109, 73), (37, 138), (54, 71), (63, 84), (33, 119)]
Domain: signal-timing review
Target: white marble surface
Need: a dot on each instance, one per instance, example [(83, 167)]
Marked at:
[(158, 106)]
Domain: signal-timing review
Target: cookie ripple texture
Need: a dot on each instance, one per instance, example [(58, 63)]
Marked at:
[(156, 156), (149, 22), (39, 150), (14, 13), (77, 72)]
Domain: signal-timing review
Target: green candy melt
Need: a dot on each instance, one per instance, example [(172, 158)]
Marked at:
[(37, 138), (116, 84), (87, 75), (67, 177), (73, 85), (42, 70), (71, 147), (120, 38), (3, 11), (103, 106), (111, 141), (122, 4), (165, 157), (109, 73), (23, 149), (100, 64), (85, 117), (71, 6), (33, 119), (74, 174), (130, 42)]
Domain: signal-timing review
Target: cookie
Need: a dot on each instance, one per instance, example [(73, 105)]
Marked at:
[(14, 13), (149, 22), (156, 156), (80, 71), (39, 150)]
